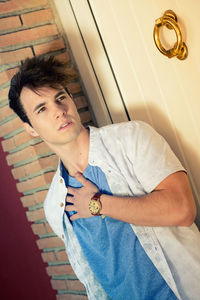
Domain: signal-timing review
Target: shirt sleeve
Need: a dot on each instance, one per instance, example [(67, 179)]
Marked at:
[(152, 158)]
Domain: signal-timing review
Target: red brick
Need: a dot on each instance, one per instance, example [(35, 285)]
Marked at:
[(26, 153), (42, 148), (8, 144), (71, 297), (74, 87), (18, 172), (37, 17), (58, 284), (15, 5), (36, 215), (35, 166), (21, 172), (33, 199), (48, 257), (71, 72), (10, 126), (48, 47), (28, 35), (35, 182), (63, 57), (5, 112), (80, 102), (15, 56), (51, 161), (4, 77), (59, 270), (22, 138), (85, 117), (4, 94), (10, 22), (41, 164), (75, 285), (7, 75), (40, 196), (28, 200), (62, 256), (50, 242), (48, 228), (38, 228), (20, 155)]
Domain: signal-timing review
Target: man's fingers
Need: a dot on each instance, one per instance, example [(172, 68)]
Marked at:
[(70, 198), (70, 190), (74, 217), (69, 207)]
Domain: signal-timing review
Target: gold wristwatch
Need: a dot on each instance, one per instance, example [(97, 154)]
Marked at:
[(95, 204)]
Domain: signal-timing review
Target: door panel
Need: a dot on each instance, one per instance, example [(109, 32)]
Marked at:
[(136, 80)]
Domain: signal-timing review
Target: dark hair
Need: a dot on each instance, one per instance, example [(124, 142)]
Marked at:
[(35, 73)]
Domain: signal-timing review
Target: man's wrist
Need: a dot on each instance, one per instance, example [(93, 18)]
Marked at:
[(95, 204)]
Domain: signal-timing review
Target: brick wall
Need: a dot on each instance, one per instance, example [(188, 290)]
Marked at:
[(28, 28)]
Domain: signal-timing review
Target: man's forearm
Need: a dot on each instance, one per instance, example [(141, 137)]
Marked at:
[(162, 207), (170, 204), (144, 211)]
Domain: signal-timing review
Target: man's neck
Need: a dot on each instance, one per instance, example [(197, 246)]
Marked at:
[(74, 156)]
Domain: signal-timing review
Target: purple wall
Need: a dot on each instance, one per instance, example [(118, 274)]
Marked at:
[(22, 271)]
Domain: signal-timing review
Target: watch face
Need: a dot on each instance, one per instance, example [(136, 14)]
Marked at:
[(94, 207)]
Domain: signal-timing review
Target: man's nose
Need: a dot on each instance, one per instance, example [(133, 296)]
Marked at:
[(59, 110)]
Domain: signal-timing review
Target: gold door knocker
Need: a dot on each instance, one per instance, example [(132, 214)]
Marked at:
[(169, 19)]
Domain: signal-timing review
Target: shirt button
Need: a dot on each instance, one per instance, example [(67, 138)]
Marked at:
[(61, 204), (61, 180)]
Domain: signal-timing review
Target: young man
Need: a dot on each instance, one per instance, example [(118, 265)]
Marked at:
[(120, 199)]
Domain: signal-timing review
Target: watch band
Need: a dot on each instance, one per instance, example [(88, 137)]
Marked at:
[(97, 196)]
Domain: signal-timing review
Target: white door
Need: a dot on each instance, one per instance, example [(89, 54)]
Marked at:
[(127, 78)]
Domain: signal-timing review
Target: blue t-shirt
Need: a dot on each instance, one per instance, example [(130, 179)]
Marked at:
[(114, 252)]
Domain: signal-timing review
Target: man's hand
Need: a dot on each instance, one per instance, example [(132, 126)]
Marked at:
[(81, 198)]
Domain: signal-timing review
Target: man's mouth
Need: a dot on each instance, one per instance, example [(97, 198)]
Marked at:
[(65, 125)]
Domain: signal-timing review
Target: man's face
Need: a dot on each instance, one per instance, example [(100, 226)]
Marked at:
[(53, 115)]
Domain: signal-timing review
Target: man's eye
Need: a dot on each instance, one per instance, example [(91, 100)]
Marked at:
[(41, 109), (61, 98)]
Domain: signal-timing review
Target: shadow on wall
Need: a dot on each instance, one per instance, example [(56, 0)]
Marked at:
[(161, 123)]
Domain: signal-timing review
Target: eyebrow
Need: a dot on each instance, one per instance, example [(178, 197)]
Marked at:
[(38, 106), (59, 94), (43, 103)]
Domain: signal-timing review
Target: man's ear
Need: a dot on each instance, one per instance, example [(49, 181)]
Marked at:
[(30, 129)]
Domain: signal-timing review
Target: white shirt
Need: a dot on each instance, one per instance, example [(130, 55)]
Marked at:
[(135, 159)]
